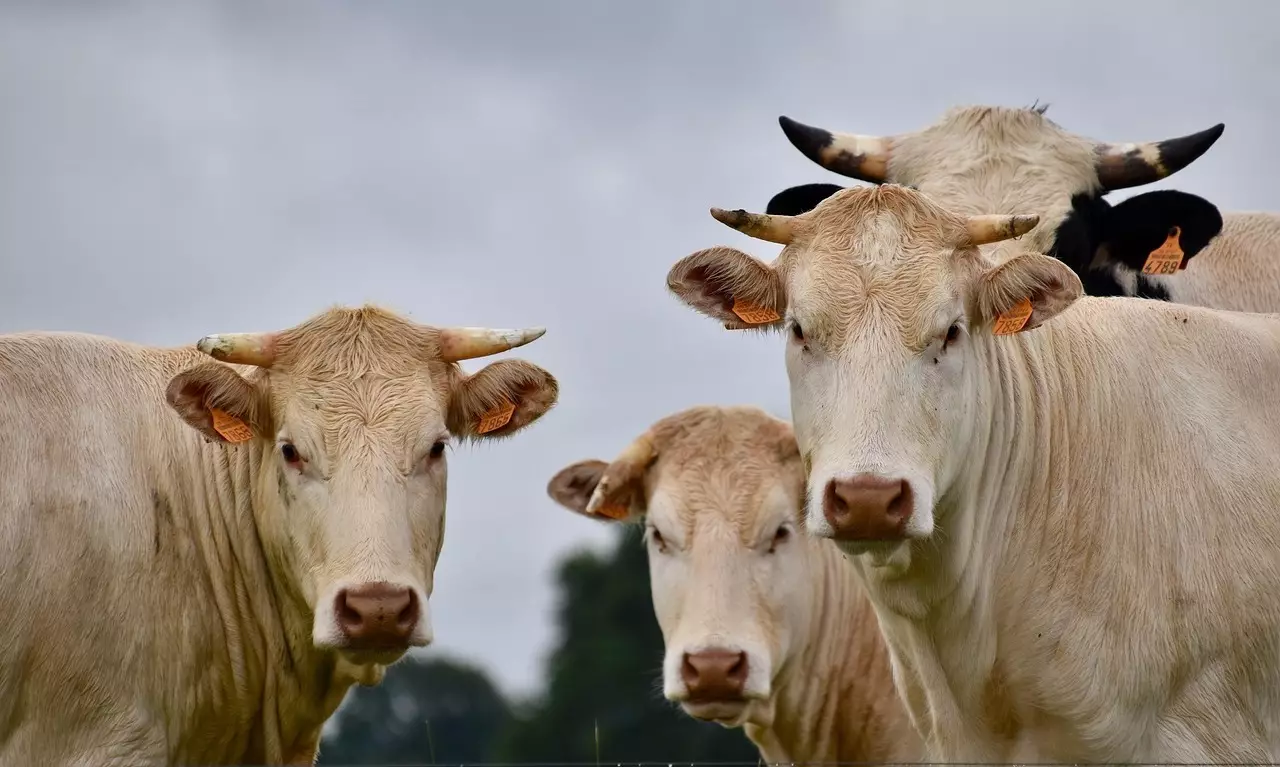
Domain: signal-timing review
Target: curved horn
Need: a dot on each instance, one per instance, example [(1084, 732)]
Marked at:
[(1121, 166), (987, 229), (762, 226), (634, 459), (468, 343), (862, 157), (240, 348)]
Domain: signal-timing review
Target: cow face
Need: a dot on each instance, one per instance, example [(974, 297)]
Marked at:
[(719, 492), (888, 308), (348, 419), (978, 160)]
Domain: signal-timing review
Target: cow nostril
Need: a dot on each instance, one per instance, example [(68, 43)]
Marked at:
[(408, 616), (900, 506), (738, 671), (688, 671), (348, 616), (836, 506)]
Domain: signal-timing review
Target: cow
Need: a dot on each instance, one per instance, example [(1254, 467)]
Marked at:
[(1065, 508), (981, 160), (205, 548), (765, 628)]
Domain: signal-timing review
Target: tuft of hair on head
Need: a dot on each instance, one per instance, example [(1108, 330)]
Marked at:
[(1038, 108)]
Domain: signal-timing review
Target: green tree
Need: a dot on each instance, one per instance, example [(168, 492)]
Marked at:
[(436, 710), (606, 673)]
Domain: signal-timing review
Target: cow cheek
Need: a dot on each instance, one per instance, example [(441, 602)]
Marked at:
[(667, 592)]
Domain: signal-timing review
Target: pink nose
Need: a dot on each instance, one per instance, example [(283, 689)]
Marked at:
[(377, 616), (867, 508), (714, 676)]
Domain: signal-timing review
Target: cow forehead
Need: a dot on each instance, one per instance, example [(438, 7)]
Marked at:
[(718, 466), (346, 412), (978, 160), (349, 343), (876, 252)]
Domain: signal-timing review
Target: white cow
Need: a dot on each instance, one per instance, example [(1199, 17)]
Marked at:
[(1070, 531), (981, 159), (200, 558), (765, 629)]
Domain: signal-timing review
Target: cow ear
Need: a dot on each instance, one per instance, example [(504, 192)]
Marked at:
[(728, 285), (501, 399), (800, 199), (1144, 223), (217, 402), (573, 486), (1044, 285)]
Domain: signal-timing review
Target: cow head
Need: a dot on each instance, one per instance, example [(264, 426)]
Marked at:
[(719, 492), (347, 419), (1015, 161), (888, 307)]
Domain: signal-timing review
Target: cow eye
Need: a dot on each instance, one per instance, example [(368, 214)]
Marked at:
[(657, 539), (437, 449), (953, 333), (783, 534), (797, 332), (290, 453)]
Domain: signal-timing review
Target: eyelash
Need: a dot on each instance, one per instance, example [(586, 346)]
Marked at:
[(657, 539), (783, 534), (953, 335), (797, 333)]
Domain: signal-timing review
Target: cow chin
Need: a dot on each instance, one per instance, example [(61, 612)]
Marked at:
[(710, 690), (723, 713)]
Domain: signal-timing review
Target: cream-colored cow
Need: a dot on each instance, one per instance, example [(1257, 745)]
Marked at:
[(202, 587), (1070, 531), (765, 628), (983, 159)]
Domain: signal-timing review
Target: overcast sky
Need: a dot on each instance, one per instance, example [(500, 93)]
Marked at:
[(171, 169)]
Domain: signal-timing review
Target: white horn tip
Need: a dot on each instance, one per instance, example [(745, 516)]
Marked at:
[(596, 501), (522, 337), (211, 344)]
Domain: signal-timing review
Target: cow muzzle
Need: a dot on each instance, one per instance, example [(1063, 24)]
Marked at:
[(715, 685), (375, 622), (867, 507)]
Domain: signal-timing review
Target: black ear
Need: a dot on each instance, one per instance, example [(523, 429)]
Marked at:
[(1143, 222), (800, 199)]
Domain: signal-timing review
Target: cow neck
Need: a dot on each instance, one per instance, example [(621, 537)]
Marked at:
[(932, 594), (835, 701), (265, 621)]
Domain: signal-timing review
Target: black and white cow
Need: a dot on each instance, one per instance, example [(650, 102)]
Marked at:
[(979, 160)]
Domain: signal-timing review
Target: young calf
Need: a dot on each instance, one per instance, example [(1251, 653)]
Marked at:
[(765, 627), (1066, 509)]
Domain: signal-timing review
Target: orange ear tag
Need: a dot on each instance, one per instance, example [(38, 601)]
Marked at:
[(496, 418), (613, 511), (1167, 258), (1011, 322), (752, 314), (231, 428)]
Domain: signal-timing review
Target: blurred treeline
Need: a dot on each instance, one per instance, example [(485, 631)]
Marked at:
[(601, 696)]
